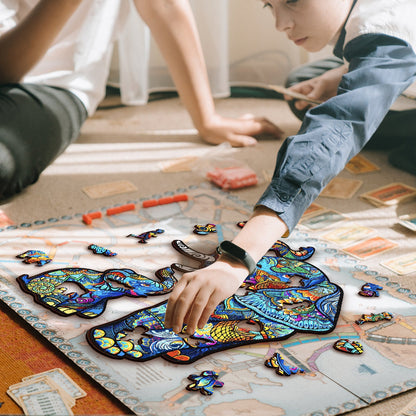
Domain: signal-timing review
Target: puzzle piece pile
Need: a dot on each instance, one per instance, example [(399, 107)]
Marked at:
[(52, 392)]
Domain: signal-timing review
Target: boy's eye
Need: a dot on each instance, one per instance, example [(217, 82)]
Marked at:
[(266, 5)]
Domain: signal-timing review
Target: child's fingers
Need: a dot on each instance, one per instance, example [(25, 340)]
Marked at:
[(198, 306), (301, 105), (178, 305), (203, 306), (209, 309)]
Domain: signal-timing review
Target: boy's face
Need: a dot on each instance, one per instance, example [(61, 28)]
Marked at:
[(311, 24)]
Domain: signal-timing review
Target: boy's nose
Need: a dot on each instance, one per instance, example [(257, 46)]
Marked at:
[(283, 22)]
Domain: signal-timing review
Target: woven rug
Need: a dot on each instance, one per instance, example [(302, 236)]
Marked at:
[(24, 353)]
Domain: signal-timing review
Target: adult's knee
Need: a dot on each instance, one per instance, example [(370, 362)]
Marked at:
[(7, 171)]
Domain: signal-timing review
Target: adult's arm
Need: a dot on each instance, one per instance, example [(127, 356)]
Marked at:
[(25, 44), (173, 27)]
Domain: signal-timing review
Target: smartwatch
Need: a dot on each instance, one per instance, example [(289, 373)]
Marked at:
[(237, 253)]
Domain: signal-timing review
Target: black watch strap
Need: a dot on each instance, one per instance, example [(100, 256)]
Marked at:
[(237, 253)]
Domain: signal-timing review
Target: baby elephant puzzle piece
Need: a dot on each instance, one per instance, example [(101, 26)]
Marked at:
[(282, 369), (35, 256), (274, 308), (48, 289), (205, 382)]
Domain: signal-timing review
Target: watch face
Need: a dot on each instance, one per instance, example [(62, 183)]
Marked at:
[(229, 248)]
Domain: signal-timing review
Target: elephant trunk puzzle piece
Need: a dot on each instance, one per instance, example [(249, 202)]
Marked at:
[(276, 305)]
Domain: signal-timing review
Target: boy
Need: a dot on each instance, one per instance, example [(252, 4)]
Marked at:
[(377, 39), (54, 62)]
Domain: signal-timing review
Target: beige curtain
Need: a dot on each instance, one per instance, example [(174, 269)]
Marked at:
[(240, 46)]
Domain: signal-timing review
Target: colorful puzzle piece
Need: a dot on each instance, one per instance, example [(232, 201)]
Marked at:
[(48, 289), (34, 256), (101, 250), (143, 237), (204, 229), (205, 382), (351, 347), (277, 362), (370, 290), (374, 317), (284, 296)]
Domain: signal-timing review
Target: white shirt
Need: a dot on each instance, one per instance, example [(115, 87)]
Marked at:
[(391, 17), (80, 57)]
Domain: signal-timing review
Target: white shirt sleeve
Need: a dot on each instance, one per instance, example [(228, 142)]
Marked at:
[(8, 14)]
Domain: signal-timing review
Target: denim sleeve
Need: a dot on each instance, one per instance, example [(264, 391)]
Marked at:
[(381, 67)]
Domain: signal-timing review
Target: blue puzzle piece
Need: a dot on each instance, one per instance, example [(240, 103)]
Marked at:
[(205, 382)]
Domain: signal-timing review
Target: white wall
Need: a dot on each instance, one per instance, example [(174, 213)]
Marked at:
[(240, 45)]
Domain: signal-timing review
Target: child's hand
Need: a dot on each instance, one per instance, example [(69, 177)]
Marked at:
[(321, 88), (197, 294), (238, 132)]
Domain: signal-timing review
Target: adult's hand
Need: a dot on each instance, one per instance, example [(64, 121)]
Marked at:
[(239, 132)]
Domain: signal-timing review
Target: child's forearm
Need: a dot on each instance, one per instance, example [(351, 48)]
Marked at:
[(173, 28), (24, 45), (260, 232)]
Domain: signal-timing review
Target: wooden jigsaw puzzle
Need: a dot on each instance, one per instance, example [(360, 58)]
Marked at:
[(337, 382)]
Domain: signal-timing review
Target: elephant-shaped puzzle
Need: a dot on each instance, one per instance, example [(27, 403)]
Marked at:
[(284, 295), (48, 288)]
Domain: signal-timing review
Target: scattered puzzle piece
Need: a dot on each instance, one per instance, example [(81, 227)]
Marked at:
[(101, 250), (204, 229), (205, 382), (277, 362), (241, 224), (374, 317), (370, 290), (34, 256), (350, 347), (143, 237)]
